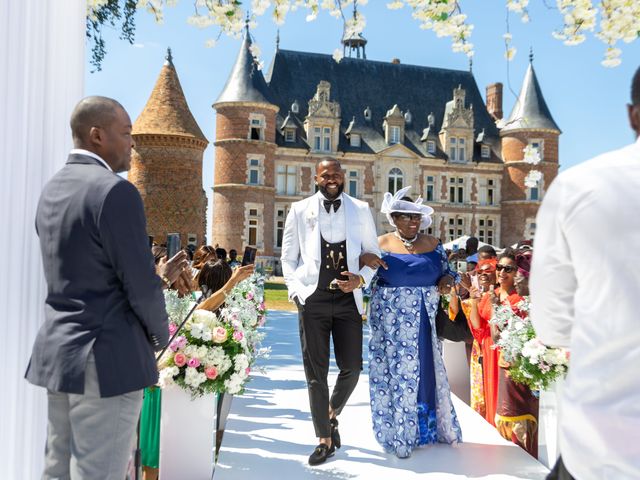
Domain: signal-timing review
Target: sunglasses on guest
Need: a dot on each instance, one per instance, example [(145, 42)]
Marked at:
[(506, 268), (405, 217)]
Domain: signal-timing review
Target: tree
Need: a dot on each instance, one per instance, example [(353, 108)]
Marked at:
[(611, 21)]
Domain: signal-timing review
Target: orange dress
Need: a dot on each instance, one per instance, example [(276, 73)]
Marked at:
[(490, 355), (475, 365)]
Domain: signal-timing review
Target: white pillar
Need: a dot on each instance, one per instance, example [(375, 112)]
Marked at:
[(42, 61)]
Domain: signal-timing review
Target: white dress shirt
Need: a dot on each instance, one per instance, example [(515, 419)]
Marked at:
[(585, 291), (81, 151), (333, 225)]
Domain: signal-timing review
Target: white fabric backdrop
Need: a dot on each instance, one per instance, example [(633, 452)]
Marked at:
[(41, 78)]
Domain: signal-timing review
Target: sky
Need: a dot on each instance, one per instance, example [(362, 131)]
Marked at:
[(588, 101)]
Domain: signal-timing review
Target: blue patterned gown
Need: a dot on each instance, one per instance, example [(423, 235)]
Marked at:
[(410, 397)]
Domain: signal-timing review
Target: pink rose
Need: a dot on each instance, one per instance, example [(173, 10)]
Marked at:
[(173, 328), (178, 343), (219, 334), (262, 306), (237, 336), (179, 359), (193, 362), (249, 295), (211, 373), (247, 370)]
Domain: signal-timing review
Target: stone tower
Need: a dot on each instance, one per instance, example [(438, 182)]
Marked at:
[(243, 190), (166, 164), (530, 123)]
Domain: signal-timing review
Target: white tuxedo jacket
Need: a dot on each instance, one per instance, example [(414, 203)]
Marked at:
[(301, 245)]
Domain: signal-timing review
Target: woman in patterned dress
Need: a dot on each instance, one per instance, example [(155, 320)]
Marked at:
[(410, 396)]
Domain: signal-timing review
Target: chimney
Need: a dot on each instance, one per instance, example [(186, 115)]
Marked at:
[(395, 61), (494, 100)]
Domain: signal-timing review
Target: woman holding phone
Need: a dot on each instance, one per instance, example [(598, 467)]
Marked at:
[(483, 280), (482, 303)]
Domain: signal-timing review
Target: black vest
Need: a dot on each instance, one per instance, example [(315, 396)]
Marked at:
[(333, 263)]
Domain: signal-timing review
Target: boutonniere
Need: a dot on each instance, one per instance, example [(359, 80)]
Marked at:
[(312, 218)]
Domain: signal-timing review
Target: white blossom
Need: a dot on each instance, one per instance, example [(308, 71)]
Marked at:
[(533, 178)]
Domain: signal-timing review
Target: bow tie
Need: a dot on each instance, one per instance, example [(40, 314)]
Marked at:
[(328, 203)]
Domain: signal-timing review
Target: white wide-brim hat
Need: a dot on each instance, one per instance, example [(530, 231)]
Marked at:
[(395, 204)]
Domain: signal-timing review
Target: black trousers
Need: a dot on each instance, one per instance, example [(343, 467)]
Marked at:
[(560, 472), (327, 314)]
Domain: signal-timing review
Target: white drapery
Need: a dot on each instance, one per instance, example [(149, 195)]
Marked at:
[(41, 78)]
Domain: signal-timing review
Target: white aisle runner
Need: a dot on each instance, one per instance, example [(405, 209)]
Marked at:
[(270, 436)]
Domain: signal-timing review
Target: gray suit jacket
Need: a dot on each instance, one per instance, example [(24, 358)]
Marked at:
[(102, 289)]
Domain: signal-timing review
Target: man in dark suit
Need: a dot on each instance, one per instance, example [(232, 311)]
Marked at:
[(104, 311)]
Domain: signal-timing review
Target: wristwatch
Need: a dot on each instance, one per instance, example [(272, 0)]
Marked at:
[(362, 282)]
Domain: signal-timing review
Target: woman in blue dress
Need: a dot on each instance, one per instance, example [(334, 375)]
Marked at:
[(410, 396)]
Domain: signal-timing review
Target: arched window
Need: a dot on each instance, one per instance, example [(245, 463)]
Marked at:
[(396, 180)]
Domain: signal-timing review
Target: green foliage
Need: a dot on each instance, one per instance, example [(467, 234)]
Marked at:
[(117, 13)]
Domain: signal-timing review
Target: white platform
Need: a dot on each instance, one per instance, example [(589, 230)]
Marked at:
[(269, 434)]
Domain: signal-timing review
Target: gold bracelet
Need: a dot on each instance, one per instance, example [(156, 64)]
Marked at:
[(166, 281), (362, 282)]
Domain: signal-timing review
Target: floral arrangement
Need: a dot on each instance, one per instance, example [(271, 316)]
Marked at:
[(214, 352), (530, 361)]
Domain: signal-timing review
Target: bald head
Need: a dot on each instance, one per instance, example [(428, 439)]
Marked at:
[(102, 126), (92, 112)]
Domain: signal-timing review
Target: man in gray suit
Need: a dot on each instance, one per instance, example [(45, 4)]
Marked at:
[(104, 311)]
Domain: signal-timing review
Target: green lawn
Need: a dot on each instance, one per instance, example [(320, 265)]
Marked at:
[(275, 296)]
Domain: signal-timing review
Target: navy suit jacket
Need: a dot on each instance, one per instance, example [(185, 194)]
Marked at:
[(102, 290)]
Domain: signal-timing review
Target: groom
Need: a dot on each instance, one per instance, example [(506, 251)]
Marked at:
[(324, 236)]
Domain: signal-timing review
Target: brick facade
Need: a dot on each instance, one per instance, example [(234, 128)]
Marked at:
[(168, 153), (158, 164)]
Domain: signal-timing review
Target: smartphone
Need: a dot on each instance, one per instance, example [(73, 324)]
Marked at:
[(475, 282), (173, 244), (461, 266), (249, 256)]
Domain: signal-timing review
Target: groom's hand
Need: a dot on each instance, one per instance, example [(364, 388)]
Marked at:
[(354, 281)]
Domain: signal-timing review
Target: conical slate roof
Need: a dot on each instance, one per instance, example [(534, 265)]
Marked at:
[(530, 111), (246, 83), (166, 111)]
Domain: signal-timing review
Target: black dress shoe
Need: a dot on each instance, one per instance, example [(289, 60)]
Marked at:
[(335, 434), (321, 453)]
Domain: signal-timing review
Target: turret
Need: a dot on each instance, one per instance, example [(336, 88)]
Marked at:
[(166, 164), (529, 128), (243, 200)]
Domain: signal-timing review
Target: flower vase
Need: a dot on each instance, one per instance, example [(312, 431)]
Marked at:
[(191, 433)]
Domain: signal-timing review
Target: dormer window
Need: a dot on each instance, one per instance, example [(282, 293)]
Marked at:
[(295, 107), (256, 126), (354, 140), (457, 151), (290, 135), (394, 135), (431, 147), (322, 139), (485, 151), (367, 114)]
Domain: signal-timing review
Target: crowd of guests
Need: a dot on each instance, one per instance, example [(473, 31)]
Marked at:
[(212, 273), (490, 281)]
